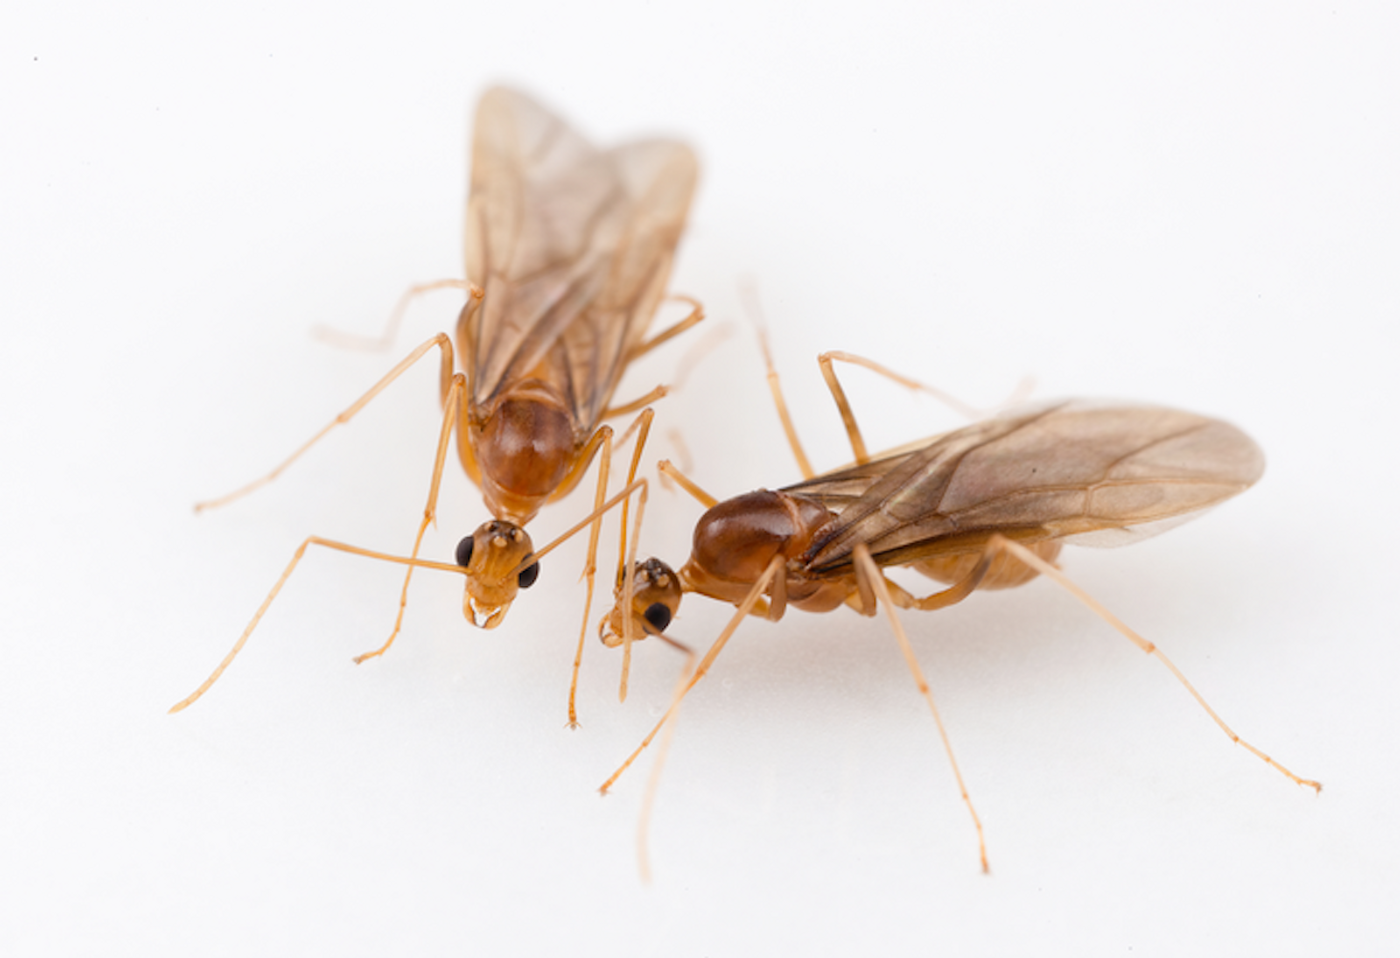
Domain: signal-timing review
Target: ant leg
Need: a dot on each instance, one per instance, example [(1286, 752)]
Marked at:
[(1018, 394), (682, 452), (775, 388), (590, 567), (627, 558), (277, 587), (638, 487), (642, 401), (440, 341), (666, 469), (748, 291), (696, 314), (868, 570), (628, 584), (1001, 545), (451, 408), (601, 440), (744, 608), (843, 405), (386, 339), (654, 780), (853, 433), (412, 563), (1047, 569)]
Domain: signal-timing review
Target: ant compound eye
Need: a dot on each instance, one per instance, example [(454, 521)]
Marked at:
[(464, 552), (658, 616), (529, 574)]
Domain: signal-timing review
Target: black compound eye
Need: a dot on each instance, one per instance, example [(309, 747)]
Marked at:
[(658, 615), (464, 552), (529, 574)]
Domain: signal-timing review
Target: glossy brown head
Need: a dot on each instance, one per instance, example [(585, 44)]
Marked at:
[(493, 557), (656, 597), (525, 449)]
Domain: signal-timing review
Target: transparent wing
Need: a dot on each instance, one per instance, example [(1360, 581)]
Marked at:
[(839, 489), (573, 247), (1087, 473)]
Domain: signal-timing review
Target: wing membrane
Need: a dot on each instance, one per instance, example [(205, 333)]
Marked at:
[(1093, 474), (573, 247)]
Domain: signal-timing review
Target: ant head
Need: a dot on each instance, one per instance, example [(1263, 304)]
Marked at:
[(656, 596), (496, 559)]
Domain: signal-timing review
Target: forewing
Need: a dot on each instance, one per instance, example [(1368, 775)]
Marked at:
[(572, 245), (839, 489), (1089, 473)]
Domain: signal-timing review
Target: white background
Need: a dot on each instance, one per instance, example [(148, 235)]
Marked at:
[(1195, 206)]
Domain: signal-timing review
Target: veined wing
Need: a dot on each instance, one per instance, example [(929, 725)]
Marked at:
[(838, 489), (1089, 473), (573, 247)]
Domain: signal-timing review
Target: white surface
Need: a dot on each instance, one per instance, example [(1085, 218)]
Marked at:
[(1197, 207)]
